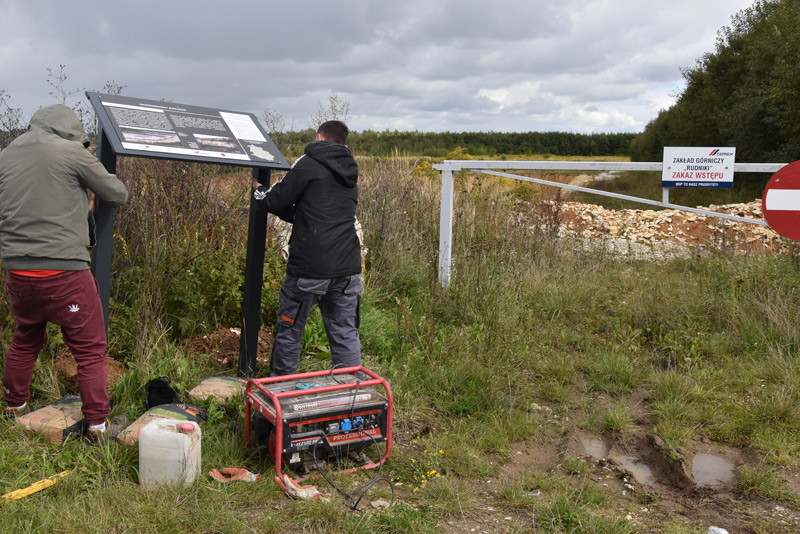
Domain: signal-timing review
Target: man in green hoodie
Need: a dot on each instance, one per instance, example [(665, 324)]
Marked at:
[(46, 177)]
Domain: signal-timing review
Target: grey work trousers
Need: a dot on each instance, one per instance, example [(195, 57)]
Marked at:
[(339, 301)]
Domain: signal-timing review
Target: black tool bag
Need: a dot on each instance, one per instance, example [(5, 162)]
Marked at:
[(159, 391)]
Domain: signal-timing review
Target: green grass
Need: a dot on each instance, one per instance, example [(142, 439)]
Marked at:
[(556, 504), (617, 419), (532, 342), (765, 482)]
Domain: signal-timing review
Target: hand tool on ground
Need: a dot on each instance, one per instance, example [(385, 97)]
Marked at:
[(33, 488)]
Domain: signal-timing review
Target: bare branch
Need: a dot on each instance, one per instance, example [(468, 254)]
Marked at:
[(12, 122), (337, 109), (276, 122)]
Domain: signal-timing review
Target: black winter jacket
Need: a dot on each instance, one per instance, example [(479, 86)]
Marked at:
[(319, 196)]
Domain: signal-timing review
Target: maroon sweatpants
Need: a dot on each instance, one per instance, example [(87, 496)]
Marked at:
[(72, 301)]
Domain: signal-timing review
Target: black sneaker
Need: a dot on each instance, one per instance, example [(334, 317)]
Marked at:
[(9, 413)]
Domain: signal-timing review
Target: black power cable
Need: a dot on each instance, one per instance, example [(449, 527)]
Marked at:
[(350, 499)]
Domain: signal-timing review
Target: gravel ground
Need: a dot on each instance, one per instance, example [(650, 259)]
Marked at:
[(663, 233)]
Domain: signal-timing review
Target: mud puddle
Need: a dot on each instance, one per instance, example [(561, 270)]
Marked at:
[(711, 471), (640, 471), (595, 447), (598, 449)]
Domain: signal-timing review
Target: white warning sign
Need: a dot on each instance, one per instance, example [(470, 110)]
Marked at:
[(698, 167)]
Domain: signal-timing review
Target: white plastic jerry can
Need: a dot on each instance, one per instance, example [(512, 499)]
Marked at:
[(169, 452)]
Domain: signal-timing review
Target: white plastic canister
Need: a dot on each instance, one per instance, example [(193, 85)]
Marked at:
[(169, 452)]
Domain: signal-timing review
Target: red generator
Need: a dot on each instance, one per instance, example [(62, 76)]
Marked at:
[(307, 419)]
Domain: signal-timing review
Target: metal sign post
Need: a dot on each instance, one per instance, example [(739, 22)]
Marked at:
[(104, 220), (253, 280)]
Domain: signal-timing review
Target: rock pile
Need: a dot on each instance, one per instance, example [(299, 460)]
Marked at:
[(671, 231)]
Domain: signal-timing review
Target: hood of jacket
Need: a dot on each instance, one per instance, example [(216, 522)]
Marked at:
[(60, 120), (336, 158)]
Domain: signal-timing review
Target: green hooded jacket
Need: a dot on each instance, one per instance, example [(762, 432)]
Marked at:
[(45, 176)]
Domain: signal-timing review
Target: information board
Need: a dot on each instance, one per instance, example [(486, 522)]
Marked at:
[(159, 129), (698, 167)]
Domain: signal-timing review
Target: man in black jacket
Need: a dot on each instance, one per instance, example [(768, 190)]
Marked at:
[(319, 196)]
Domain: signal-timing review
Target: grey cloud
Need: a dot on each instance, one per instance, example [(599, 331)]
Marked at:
[(587, 89), (419, 64), (470, 23)]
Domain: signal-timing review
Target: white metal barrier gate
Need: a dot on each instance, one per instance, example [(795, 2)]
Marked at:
[(447, 168)]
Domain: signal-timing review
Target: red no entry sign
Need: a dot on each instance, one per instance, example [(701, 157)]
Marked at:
[(781, 201)]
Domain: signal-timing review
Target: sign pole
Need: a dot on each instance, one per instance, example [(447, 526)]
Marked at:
[(253, 281), (104, 219)]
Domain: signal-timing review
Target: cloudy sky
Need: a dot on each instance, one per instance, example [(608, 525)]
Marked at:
[(428, 65)]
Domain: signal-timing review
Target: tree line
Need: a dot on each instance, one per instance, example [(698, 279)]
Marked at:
[(440, 144), (744, 94)]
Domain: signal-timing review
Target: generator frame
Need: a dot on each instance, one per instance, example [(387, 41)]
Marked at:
[(267, 403)]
